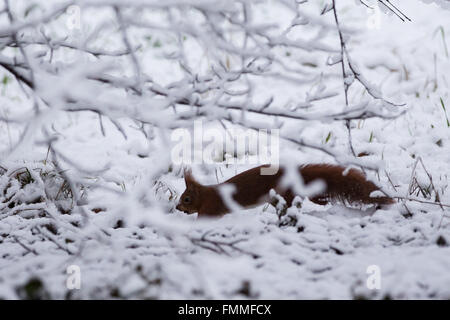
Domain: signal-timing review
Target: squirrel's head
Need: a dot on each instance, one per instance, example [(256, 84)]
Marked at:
[(189, 201)]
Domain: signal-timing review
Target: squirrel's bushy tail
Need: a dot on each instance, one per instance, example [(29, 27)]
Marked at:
[(352, 187)]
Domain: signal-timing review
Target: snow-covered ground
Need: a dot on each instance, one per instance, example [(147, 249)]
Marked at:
[(136, 245)]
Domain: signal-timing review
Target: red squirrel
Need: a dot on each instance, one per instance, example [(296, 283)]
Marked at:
[(252, 189)]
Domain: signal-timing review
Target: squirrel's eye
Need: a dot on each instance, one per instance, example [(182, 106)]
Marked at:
[(187, 199)]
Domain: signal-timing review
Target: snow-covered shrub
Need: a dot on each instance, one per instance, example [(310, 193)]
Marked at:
[(28, 190)]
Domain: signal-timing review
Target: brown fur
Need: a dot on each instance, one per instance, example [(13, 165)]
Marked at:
[(252, 188)]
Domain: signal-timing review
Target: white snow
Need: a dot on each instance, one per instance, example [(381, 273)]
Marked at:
[(134, 244)]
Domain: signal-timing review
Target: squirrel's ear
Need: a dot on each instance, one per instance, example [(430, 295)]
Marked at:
[(188, 178)]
